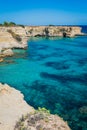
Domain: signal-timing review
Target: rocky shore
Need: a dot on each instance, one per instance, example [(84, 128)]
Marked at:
[(10, 39), (17, 36), (16, 114)]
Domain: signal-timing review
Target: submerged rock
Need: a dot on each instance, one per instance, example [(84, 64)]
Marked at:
[(83, 110)]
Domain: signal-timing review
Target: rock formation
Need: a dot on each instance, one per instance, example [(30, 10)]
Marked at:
[(41, 119), (17, 36), (9, 38), (12, 107), (52, 31), (7, 52)]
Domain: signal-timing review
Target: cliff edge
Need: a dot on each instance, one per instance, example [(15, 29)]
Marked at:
[(13, 106), (17, 36)]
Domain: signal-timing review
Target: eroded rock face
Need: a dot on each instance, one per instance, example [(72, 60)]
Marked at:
[(8, 41), (17, 37), (8, 52), (5, 53), (27, 31), (53, 31), (12, 107)]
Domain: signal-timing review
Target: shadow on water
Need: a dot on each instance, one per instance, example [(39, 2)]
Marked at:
[(57, 65), (65, 78)]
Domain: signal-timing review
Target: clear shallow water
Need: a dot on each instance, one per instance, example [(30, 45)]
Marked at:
[(52, 73)]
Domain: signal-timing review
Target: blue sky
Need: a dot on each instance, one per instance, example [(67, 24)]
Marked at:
[(37, 12)]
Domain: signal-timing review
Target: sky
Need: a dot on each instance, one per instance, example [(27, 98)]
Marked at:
[(44, 12)]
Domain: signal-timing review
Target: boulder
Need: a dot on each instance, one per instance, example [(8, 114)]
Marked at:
[(8, 52), (1, 59)]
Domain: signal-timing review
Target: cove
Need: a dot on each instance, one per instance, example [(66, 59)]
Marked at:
[(52, 73)]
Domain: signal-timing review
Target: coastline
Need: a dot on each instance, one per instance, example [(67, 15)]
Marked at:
[(17, 36), (9, 50), (13, 107)]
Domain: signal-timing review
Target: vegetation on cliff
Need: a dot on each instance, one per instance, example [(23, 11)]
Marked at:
[(41, 119), (10, 24)]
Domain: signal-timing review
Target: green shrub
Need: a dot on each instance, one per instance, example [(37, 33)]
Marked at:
[(43, 110), (9, 24), (12, 24)]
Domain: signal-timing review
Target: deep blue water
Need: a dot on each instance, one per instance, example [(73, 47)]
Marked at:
[(52, 73), (84, 28)]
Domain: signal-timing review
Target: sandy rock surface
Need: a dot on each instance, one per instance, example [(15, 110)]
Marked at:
[(12, 107)]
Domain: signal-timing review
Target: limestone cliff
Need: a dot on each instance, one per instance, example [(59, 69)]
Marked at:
[(8, 41), (64, 31), (17, 36), (10, 38), (13, 106)]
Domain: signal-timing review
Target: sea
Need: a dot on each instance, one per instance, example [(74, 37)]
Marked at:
[(52, 73)]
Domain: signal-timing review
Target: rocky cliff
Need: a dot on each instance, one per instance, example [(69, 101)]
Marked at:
[(10, 38), (64, 31), (17, 36), (13, 106)]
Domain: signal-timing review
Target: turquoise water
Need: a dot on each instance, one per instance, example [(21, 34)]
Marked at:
[(52, 73)]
